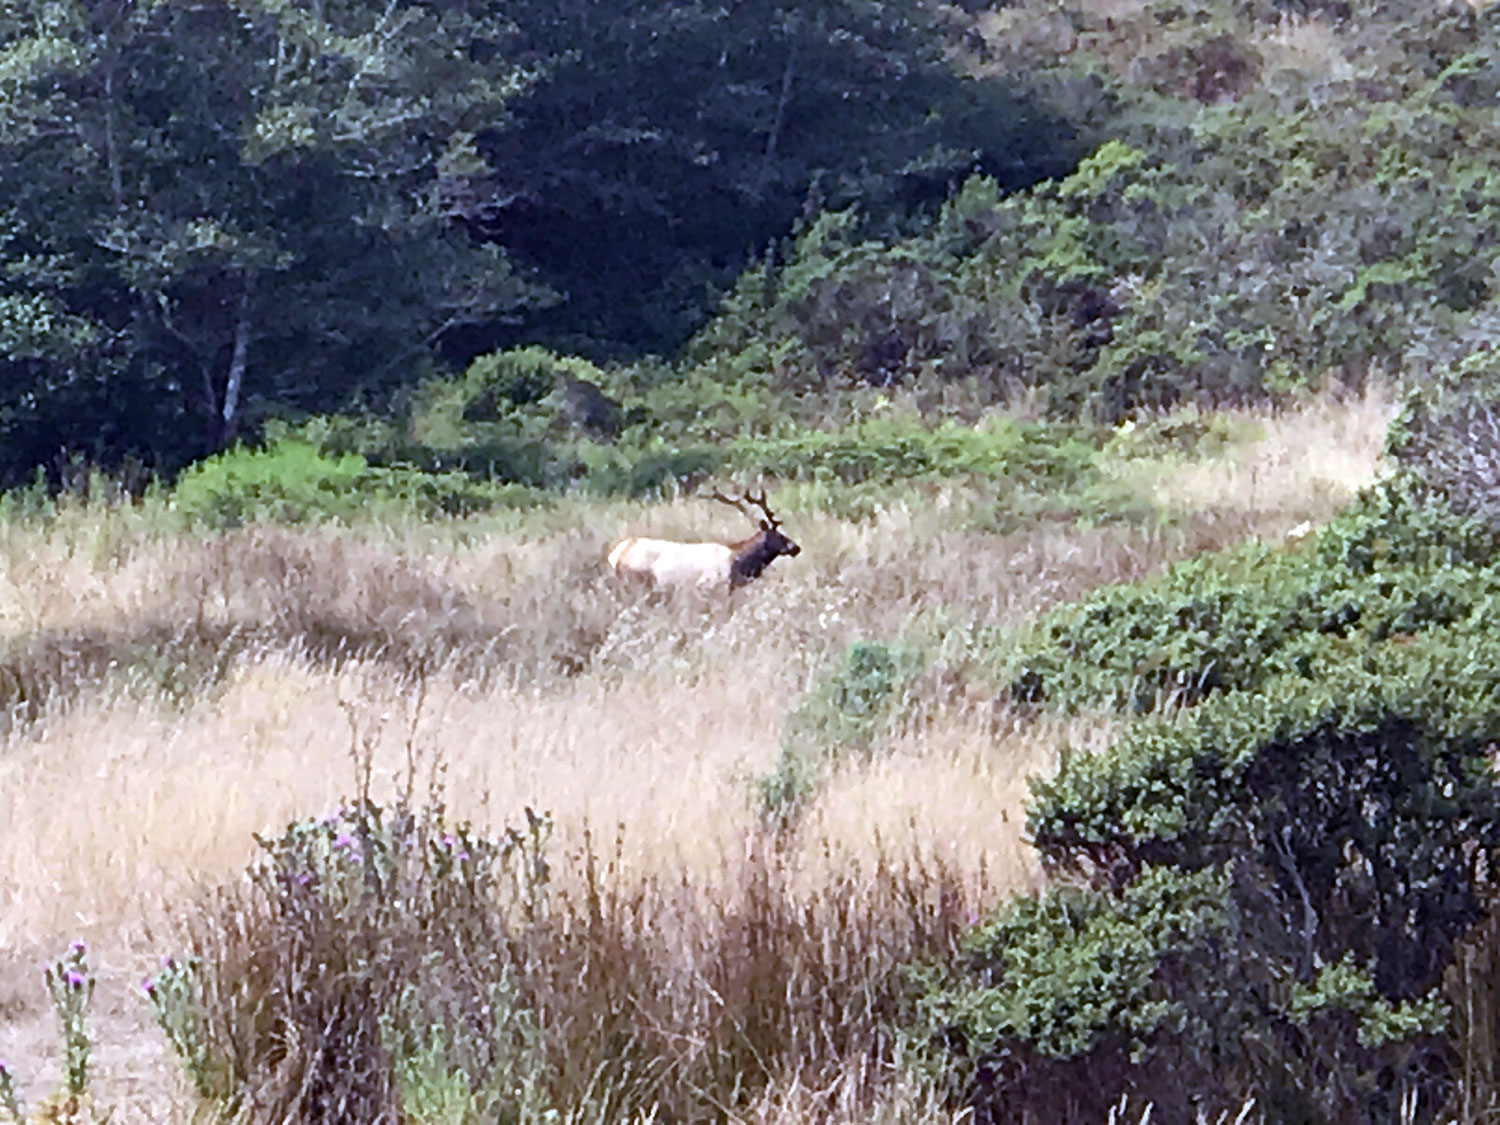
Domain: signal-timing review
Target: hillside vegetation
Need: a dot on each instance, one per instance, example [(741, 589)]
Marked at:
[(1119, 747), (171, 694)]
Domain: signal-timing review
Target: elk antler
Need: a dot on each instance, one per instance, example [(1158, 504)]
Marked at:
[(760, 502), (748, 498)]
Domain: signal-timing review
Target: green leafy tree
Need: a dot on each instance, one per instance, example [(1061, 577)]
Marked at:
[(214, 210)]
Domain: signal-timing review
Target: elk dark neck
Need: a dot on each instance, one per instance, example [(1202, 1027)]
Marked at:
[(752, 558)]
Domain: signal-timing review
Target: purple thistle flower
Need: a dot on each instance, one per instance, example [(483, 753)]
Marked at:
[(74, 979), (78, 948), (448, 842), (148, 986), (463, 856), (303, 879), (342, 840), (168, 963)]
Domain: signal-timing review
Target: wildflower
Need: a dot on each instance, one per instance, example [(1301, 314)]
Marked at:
[(78, 949), (148, 986), (343, 840), (449, 842), (168, 963), (462, 856), (74, 979)]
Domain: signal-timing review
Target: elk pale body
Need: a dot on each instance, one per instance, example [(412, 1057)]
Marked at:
[(671, 565)]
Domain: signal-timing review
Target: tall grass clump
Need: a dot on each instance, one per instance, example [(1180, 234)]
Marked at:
[(379, 966), (361, 973)]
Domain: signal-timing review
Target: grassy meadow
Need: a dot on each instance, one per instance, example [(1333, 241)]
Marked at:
[(170, 694)]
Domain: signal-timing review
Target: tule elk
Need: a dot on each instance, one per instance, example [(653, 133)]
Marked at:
[(669, 565)]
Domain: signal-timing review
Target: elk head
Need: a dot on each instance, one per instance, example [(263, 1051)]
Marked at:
[(753, 555)]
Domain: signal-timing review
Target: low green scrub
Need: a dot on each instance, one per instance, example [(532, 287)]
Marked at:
[(529, 418), (294, 482), (1032, 455), (1391, 567), (840, 719), (1260, 898), (1448, 434)]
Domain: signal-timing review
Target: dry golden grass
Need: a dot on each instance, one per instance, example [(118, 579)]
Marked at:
[(634, 722), (1300, 465)]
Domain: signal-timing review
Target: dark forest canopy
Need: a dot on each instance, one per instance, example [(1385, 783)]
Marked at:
[(213, 214)]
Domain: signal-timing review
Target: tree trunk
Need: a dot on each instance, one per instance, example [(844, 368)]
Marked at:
[(782, 101), (229, 417)]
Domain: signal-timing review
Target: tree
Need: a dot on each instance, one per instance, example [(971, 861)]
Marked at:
[(220, 206), (664, 144)]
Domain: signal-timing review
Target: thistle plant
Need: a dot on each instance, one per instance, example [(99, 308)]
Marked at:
[(70, 984), (10, 1103), (175, 997)]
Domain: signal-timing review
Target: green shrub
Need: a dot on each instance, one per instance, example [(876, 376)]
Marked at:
[(1031, 455), (365, 975), (1279, 880), (1448, 436), (1393, 565), (294, 482), (1067, 983)]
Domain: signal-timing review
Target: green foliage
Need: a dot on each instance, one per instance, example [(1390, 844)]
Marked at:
[(661, 144), (293, 482), (841, 717), (175, 993), (1349, 823), (528, 416), (1390, 568), (1069, 973), (217, 212), (1448, 436), (368, 960), (1025, 455), (1265, 888)]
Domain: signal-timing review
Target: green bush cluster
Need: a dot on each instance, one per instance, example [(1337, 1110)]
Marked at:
[(534, 420), (1272, 888), (1392, 566), (294, 482), (1448, 436), (1261, 893)]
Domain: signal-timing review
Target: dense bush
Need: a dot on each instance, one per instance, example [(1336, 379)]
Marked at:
[(1448, 434), (1275, 884), (1391, 567), (295, 482), (532, 418)]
